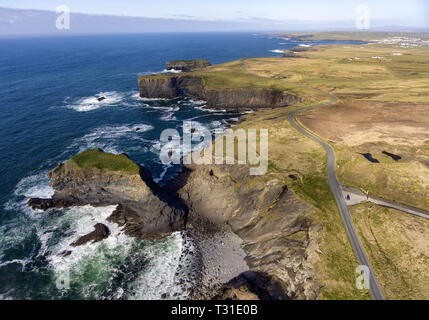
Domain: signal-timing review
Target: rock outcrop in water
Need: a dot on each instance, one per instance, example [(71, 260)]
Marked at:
[(100, 179), (279, 234), (187, 65), (280, 237), (100, 233)]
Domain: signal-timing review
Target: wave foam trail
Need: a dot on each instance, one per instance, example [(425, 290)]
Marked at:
[(277, 51), (107, 137), (92, 103), (36, 186)]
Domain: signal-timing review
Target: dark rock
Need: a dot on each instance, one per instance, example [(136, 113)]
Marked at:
[(258, 210), (293, 177), (164, 296), (290, 54), (145, 210), (370, 158), (65, 253), (138, 129), (187, 65), (393, 156), (100, 233), (254, 286), (40, 204), (101, 99), (301, 49), (239, 99)]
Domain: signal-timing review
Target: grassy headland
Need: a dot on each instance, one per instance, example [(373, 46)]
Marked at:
[(98, 159)]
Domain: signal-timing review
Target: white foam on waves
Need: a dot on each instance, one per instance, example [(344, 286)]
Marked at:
[(91, 103), (107, 137), (277, 51)]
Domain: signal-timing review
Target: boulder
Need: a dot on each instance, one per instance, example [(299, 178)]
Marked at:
[(100, 233), (40, 204), (65, 253)]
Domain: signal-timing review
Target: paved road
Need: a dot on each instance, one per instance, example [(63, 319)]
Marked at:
[(361, 256), (358, 197)]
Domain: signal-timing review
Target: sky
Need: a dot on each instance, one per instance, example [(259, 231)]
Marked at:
[(236, 10)]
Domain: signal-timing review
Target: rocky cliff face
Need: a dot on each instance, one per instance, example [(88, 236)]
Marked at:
[(187, 65), (152, 87), (280, 238), (249, 98), (171, 87), (144, 210)]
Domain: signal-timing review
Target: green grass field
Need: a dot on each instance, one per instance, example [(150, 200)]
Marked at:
[(98, 159)]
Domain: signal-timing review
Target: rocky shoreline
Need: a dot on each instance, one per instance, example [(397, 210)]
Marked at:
[(254, 237)]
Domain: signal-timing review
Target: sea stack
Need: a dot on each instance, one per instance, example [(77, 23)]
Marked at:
[(101, 179)]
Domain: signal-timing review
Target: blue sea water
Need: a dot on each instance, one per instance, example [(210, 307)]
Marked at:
[(49, 112)]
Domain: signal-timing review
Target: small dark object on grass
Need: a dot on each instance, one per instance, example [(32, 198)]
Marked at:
[(393, 156), (369, 157)]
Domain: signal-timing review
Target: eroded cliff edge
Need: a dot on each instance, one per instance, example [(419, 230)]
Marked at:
[(194, 85), (279, 234), (100, 179)]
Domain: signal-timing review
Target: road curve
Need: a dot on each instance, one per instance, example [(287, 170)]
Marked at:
[(361, 256), (334, 185)]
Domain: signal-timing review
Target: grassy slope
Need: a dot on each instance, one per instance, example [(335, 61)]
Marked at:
[(393, 79), (397, 246), (96, 158)]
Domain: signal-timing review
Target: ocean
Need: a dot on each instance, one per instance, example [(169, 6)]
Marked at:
[(49, 112)]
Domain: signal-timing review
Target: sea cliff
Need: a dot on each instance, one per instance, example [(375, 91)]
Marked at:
[(194, 83), (101, 179), (174, 86)]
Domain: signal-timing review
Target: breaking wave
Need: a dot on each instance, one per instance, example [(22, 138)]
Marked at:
[(119, 267), (102, 99), (277, 51)]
